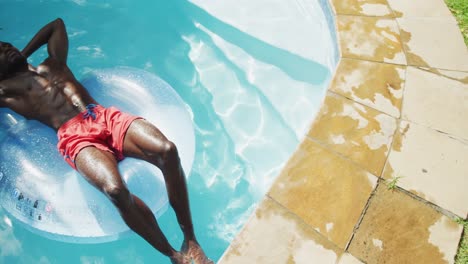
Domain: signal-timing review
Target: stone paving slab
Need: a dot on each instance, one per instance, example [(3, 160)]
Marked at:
[(274, 235), (370, 38), (363, 8), (326, 191), (398, 229), (354, 130), (420, 8), (377, 85), (434, 43), (349, 259), (432, 165), (439, 101)]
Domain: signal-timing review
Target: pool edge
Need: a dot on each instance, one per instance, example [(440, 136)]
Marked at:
[(395, 31)]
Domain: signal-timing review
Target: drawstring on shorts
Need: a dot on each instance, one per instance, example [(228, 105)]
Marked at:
[(90, 112)]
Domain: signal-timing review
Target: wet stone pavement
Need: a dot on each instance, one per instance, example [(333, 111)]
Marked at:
[(383, 171)]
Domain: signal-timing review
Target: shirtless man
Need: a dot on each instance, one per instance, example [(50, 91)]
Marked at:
[(93, 139)]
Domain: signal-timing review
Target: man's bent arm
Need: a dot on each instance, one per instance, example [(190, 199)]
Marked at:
[(55, 36)]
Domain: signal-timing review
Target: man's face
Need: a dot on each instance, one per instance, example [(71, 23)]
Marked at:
[(11, 59)]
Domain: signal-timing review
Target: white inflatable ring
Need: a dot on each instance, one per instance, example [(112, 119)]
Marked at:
[(38, 188)]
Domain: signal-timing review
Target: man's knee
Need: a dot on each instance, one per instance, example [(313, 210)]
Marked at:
[(118, 194), (169, 149), (166, 155), (170, 153)]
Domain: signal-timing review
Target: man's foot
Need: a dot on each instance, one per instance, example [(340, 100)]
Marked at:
[(179, 258), (193, 250)]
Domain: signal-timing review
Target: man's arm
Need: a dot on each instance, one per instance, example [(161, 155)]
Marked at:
[(55, 36)]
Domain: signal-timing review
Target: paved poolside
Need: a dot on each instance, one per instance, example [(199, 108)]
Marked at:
[(396, 109)]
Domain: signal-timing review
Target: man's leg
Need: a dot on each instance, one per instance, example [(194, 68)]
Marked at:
[(100, 169), (144, 141)]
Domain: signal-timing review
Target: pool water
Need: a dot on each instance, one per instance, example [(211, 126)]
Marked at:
[(254, 73)]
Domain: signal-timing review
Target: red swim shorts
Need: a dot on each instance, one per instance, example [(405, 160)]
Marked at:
[(103, 128)]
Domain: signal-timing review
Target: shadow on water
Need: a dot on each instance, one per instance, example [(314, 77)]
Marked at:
[(295, 66), (104, 36)]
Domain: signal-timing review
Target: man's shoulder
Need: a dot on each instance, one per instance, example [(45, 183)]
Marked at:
[(17, 83), (16, 77)]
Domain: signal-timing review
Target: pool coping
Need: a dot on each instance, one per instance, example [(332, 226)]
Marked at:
[(377, 152)]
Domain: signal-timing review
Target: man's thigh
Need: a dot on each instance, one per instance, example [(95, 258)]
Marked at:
[(144, 140), (99, 167)]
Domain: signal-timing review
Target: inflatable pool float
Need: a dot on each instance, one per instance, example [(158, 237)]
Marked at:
[(40, 190)]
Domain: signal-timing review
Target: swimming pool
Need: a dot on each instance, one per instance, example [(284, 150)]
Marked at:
[(253, 73)]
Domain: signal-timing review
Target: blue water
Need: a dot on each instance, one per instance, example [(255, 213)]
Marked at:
[(252, 95)]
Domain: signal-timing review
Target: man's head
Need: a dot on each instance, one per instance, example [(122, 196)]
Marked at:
[(11, 60)]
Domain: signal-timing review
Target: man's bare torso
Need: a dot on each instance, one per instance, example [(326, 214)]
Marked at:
[(50, 94)]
